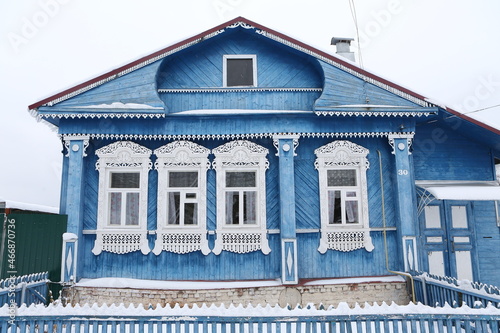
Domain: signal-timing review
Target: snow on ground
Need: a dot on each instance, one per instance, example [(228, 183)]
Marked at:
[(240, 310)]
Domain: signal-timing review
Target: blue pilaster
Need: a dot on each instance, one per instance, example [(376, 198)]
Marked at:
[(405, 199), (74, 186), (285, 146)]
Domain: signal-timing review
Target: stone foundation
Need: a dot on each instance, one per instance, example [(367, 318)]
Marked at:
[(326, 294)]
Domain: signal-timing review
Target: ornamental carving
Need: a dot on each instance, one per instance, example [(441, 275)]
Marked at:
[(346, 241), (240, 153), (182, 154), (181, 242), (121, 242), (111, 149), (341, 153), (241, 243)]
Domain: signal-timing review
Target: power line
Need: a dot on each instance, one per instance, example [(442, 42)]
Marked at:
[(478, 110), (355, 19)]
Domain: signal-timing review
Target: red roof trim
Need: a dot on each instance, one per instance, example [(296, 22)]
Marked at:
[(271, 31)]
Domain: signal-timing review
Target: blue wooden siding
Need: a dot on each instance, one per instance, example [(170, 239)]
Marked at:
[(440, 153), (342, 88), (277, 67), (136, 87), (488, 241), (231, 266)]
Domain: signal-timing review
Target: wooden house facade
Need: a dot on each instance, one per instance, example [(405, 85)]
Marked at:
[(244, 154)]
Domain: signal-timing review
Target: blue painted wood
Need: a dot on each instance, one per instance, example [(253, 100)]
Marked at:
[(342, 88), (397, 323)]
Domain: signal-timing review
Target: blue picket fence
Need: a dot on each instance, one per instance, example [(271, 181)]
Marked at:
[(219, 319), (26, 289), (436, 290)]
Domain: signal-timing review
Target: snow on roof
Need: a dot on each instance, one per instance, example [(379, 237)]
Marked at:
[(467, 190), (9, 204), (110, 282)]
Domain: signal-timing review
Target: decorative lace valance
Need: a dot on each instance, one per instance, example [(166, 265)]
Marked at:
[(345, 241), (121, 242), (241, 243), (181, 243)]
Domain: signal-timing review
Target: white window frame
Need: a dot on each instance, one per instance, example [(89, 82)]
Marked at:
[(121, 157), (124, 191), (343, 155), (241, 156), (239, 56), (181, 156)]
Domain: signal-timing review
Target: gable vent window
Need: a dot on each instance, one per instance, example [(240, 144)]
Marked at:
[(240, 71)]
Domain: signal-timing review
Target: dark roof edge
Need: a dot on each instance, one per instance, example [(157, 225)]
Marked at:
[(200, 36)]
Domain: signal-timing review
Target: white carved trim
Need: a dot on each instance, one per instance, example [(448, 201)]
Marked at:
[(181, 156), (343, 154), (375, 113), (346, 241), (105, 115), (118, 157), (69, 138), (407, 136), (241, 242), (245, 156), (232, 136), (237, 90), (121, 242), (181, 242)]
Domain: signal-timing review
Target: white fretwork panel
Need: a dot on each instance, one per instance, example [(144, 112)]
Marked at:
[(345, 241), (181, 243), (241, 243), (121, 242)]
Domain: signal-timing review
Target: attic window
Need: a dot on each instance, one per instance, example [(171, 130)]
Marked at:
[(240, 71)]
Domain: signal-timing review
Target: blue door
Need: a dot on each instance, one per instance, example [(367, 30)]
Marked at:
[(448, 239)]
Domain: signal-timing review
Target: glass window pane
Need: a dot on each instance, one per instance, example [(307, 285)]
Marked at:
[(183, 179), (174, 199), (115, 208), (432, 217), (334, 207), (125, 179), (132, 211), (341, 178), (239, 72), (232, 207), (250, 207), (240, 179), (459, 217), (351, 212), (190, 213)]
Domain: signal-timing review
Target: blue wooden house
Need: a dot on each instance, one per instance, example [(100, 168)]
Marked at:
[(244, 154)]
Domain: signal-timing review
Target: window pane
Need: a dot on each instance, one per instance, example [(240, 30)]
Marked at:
[(125, 179), (341, 177), (132, 211), (115, 208), (334, 207), (174, 199), (183, 179), (239, 72), (351, 212), (191, 213), (250, 207), (240, 179), (232, 207)]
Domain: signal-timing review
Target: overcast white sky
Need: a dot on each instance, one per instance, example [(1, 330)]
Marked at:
[(448, 50)]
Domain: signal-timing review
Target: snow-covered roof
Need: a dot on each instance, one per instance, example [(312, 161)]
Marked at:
[(450, 190), (9, 204)]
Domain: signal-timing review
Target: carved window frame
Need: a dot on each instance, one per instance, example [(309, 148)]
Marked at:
[(343, 155), (182, 156), (241, 156), (122, 156)]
